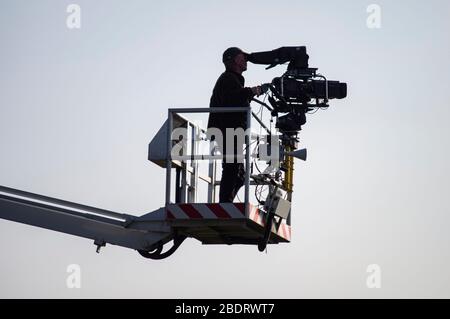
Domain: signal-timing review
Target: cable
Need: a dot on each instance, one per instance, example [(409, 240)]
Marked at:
[(258, 195)]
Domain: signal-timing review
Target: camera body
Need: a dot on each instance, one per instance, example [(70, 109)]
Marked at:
[(295, 90)]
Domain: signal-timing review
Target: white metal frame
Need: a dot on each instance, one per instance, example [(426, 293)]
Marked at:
[(213, 168)]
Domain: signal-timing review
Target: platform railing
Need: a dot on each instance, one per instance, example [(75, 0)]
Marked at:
[(171, 112)]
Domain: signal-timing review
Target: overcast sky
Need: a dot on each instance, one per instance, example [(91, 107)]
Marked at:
[(79, 106)]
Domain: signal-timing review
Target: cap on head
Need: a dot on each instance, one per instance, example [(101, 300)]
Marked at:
[(230, 54)]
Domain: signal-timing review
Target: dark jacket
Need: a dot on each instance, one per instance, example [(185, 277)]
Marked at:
[(229, 91)]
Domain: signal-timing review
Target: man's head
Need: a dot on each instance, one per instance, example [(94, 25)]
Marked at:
[(235, 59)]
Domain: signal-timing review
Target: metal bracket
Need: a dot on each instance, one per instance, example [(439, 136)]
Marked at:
[(99, 244)]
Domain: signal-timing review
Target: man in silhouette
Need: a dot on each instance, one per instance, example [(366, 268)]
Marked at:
[(230, 91)]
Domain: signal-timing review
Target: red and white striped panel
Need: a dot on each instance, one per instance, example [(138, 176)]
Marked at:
[(206, 211), (223, 211)]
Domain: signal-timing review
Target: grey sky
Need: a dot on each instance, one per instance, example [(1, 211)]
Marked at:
[(78, 108)]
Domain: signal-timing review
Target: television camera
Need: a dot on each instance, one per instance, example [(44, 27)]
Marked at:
[(299, 90)]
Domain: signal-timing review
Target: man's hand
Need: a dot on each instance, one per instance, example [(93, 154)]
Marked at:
[(256, 90), (265, 87), (261, 89)]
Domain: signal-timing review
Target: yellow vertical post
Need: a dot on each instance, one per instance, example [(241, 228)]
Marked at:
[(289, 173)]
